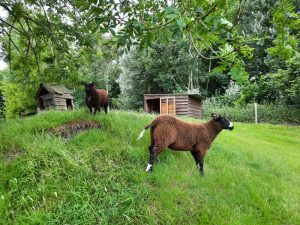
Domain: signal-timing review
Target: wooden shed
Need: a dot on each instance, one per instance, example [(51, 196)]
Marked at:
[(54, 96), (173, 104)]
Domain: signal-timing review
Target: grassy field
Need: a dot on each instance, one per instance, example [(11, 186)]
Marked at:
[(252, 175)]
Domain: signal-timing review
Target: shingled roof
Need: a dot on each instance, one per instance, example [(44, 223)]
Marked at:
[(54, 89)]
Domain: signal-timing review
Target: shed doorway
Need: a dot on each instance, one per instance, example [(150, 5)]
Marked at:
[(69, 104), (153, 105), (164, 105), (41, 103)]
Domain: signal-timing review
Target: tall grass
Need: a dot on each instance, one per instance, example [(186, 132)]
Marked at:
[(252, 175)]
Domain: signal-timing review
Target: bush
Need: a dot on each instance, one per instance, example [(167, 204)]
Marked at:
[(267, 113)]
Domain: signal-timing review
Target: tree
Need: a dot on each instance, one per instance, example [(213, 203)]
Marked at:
[(209, 26), (278, 81), (164, 68), (46, 41)]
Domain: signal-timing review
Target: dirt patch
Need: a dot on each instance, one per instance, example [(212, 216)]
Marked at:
[(68, 130), (11, 154)]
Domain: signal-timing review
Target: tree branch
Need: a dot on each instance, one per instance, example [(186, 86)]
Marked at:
[(209, 12), (209, 68), (12, 26), (239, 16), (10, 39)]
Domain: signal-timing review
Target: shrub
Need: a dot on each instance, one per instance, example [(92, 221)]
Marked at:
[(267, 113)]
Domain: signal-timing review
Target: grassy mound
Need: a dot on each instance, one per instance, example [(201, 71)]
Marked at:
[(252, 175)]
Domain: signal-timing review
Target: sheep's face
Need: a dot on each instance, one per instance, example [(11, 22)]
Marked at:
[(225, 123), (89, 88)]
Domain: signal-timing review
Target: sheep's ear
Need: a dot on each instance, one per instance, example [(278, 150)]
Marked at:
[(213, 115)]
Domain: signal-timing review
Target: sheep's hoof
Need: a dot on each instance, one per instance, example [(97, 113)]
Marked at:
[(149, 168)]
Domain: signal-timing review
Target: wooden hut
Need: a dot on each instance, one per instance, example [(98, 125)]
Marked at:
[(173, 104), (54, 96)]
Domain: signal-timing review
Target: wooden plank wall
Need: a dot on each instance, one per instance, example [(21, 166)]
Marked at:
[(182, 107), (194, 107), (58, 103)]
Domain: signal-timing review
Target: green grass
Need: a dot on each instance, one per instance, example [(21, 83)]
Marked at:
[(252, 175)]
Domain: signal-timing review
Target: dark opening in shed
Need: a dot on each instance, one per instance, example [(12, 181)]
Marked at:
[(173, 104), (54, 96)]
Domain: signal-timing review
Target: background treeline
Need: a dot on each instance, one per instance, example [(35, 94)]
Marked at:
[(232, 53)]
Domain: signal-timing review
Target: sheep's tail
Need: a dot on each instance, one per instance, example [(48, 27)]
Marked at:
[(143, 131)]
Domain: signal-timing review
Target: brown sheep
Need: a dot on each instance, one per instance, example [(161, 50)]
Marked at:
[(170, 132), (95, 98)]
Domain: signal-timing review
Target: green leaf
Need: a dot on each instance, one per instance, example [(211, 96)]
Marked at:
[(247, 51), (199, 10), (171, 13), (112, 31), (171, 16), (238, 73), (226, 22), (219, 69), (180, 23), (177, 35), (226, 49)]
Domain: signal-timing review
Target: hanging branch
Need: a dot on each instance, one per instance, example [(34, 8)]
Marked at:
[(29, 37), (208, 57), (241, 11), (197, 50), (209, 69), (23, 31), (208, 45), (12, 26), (50, 28), (9, 51), (10, 39), (209, 12)]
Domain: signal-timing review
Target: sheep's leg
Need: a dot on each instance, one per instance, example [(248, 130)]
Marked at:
[(194, 153), (96, 109), (151, 160), (91, 110), (105, 109), (154, 151), (201, 161), (201, 167), (199, 158)]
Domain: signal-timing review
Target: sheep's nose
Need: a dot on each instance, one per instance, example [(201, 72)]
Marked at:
[(230, 126)]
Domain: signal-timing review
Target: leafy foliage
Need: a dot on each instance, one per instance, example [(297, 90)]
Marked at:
[(164, 69), (208, 25), (191, 46), (49, 41)]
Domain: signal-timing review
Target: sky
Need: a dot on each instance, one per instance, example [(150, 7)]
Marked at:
[(3, 15)]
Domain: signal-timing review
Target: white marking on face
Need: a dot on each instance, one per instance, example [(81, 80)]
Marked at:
[(148, 167), (230, 124)]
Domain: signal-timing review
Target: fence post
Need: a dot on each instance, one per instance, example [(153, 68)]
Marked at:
[(255, 111)]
